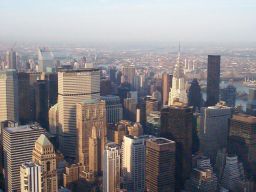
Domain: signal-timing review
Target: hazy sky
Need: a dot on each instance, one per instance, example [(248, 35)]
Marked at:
[(128, 20)]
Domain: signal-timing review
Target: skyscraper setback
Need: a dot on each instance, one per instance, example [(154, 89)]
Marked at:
[(91, 134), (213, 80), (74, 87)]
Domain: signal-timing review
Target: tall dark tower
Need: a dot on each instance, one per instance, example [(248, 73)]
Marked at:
[(176, 125), (213, 80), (41, 98)]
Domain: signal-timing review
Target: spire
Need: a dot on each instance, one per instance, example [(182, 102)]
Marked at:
[(178, 69)]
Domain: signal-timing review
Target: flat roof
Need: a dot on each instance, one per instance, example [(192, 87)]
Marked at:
[(23, 128)]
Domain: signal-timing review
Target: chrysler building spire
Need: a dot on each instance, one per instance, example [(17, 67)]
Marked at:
[(178, 90)]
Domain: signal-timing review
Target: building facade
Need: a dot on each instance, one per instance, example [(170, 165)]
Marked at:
[(213, 80), (18, 143), (178, 89), (176, 125), (74, 87), (9, 103), (160, 165), (44, 155), (114, 109), (91, 134), (213, 133), (31, 177), (111, 169), (133, 163)]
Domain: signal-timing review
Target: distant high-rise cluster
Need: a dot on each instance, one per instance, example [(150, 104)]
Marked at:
[(123, 123)]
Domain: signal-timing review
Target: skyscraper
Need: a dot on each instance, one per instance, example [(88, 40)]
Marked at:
[(213, 80), (41, 103), (233, 174), (91, 134), (251, 104), (114, 109), (195, 95), (111, 168), (44, 155), (26, 93), (18, 143), (31, 177), (74, 87), (242, 133), (129, 73), (133, 163), (160, 165), (166, 85), (178, 89), (45, 60), (9, 96), (11, 57), (176, 125), (213, 134), (228, 94)]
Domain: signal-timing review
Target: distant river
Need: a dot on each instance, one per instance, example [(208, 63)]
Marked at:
[(239, 88)]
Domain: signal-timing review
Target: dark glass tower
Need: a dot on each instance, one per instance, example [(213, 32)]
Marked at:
[(41, 98), (195, 95), (176, 125), (213, 80)]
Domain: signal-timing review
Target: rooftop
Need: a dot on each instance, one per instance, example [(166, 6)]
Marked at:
[(43, 140), (23, 128)]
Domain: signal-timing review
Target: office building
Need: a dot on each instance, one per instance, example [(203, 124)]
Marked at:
[(176, 125), (105, 87), (213, 133), (251, 104), (178, 89), (232, 174), (41, 103), (74, 87), (91, 134), (72, 174), (11, 58), (52, 85), (151, 105), (114, 109), (133, 163), (195, 96), (26, 87), (111, 168), (31, 177), (44, 155), (242, 133), (53, 119), (160, 165), (129, 74), (45, 60), (228, 94), (203, 180), (213, 80), (166, 86), (130, 109), (9, 106), (18, 143), (153, 123)]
